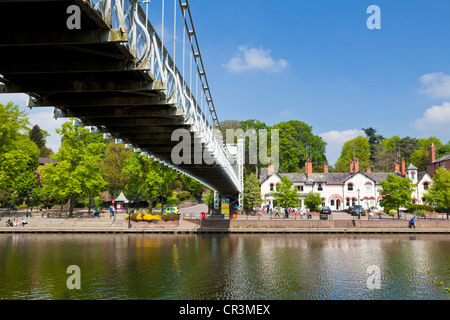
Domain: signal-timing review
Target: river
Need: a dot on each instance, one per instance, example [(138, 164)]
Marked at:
[(216, 267)]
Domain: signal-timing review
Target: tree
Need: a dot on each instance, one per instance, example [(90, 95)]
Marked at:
[(13, 123), (313, 202), (439, 192), (38, 136), (286, 195), (252, 192), (208, 199), (384, 159), (112, 165), (194, 187), (396, 192), (77, 172), (298, 144), (374, 139), (359, 148)]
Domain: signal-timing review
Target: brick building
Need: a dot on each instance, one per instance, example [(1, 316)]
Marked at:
[(435, 164)]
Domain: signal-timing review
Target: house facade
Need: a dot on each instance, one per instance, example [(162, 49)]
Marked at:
[(435, 164), (341, 190)]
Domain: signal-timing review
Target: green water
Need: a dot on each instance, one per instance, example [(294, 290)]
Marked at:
[(278, 267)]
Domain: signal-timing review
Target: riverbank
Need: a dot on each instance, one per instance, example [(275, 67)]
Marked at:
[(105, 224)]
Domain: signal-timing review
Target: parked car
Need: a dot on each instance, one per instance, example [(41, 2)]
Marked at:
[(325, 210), (349, 209), (357, 210), (168, 210)]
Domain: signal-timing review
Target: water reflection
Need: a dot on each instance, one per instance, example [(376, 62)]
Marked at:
[(223, 266)]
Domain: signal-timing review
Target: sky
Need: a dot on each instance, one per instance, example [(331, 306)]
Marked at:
[(317, 61)]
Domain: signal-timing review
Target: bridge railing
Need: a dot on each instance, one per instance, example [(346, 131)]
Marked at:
[(151, 56)]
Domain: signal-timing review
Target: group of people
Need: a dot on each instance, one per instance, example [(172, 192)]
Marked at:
[(16, 223)]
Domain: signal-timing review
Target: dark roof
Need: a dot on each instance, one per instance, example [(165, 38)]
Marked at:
[(446, 157), (43, 161), (329, 178)]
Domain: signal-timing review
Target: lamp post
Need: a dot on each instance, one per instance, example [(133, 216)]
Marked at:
[(359, 215)]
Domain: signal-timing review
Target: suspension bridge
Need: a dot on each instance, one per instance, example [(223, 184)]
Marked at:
[(102, 63)]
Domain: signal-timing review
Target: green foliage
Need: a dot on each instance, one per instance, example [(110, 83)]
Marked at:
[(439, 192), (313, 202), (252, 192), (112, 165), (77, 172), (297, 144), (396, 192), (359, 148), (286, 195)]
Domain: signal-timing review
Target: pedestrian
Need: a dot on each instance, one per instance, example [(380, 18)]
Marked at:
[(411, 223), (24, 222), (111, 211), (371, 215), (276, 213)]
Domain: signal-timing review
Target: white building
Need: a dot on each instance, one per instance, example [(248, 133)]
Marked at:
[(341, 190)]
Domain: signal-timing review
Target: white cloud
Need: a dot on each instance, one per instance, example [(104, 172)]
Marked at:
[(436, 85), (435, 119), (336, 139), (254, 59)]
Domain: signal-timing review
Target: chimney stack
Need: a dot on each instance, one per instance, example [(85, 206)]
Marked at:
[(368, 170), (351, 166), (403, 168), (325, 168), (432, 153), (396, 167), (308, 169), (270, 169), (356, 165)]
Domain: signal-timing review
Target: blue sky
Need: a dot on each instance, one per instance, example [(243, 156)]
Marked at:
[(316, 61)]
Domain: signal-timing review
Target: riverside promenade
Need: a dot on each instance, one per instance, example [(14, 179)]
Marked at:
[(190, 223)]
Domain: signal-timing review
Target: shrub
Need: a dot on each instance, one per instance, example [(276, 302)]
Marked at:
[(170, 217)]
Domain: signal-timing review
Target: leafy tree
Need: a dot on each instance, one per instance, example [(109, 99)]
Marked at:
[(286, 195), (77, 172), (313, 202), (374, 139), (439, 192), (359, 148), (384, 159), (112, 165), (208, 199), (396, 192), (37, 135), (252, 192), (298, 144), (443, 150), (194, 187), (13, 123)]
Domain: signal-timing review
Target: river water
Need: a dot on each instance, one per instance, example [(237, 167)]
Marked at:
[(213, 267)]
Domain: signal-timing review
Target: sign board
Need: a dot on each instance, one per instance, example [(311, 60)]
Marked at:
[(225, 208)]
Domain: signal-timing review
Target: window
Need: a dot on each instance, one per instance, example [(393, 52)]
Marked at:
[(353, 201), (319, 187), (350, 187), (413, 176), (299, 188), (426, 185), (347, 202), (368, 186), (444, 165), (332, 202), (271, 187)]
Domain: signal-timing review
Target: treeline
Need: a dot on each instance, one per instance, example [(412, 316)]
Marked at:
[(87, 166), (380, 153)]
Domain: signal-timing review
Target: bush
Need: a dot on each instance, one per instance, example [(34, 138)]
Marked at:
[(421, 207), (170, 217)]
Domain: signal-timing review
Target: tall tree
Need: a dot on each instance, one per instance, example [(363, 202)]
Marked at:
[(113, 164), (77, 172), (252, 192), (374, 139), (396, 192), (359, 148), (439, 193), (297, 144), (286, 195)]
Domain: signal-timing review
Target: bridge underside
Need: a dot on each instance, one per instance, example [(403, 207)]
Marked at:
[(90, 74)]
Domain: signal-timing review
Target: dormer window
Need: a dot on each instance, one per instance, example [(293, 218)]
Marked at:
[(350, 187), (319, 187)]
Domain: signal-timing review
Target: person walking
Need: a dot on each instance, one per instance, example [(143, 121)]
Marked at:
[(411, 223), (111, 211)]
